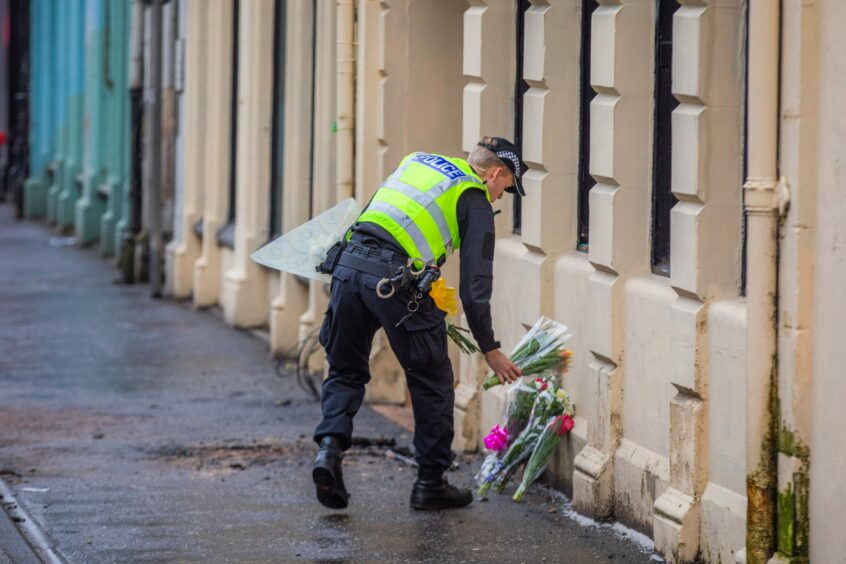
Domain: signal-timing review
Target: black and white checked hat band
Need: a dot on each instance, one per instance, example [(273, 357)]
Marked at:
[(508, 154), (515, 160)]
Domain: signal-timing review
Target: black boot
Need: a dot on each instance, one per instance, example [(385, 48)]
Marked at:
[(432, 491), (327, 474)]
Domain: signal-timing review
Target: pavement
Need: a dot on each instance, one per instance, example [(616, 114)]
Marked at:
[(135, 429), (13, 545)]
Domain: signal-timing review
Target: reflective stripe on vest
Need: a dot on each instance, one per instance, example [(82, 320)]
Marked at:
[(428, 202), (419, 211), (410, 227)]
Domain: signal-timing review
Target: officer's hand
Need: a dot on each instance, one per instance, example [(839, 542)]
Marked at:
[(505, 370)]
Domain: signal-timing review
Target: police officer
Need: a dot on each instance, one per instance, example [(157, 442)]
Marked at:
[(430, 206)]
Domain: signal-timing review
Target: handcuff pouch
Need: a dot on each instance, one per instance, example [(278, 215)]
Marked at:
[(333, 255)]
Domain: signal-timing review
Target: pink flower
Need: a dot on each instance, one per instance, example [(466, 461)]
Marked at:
[(497, 440), (541, 384), (564, 422)]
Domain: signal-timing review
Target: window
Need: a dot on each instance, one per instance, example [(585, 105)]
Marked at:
[(277, 146), (585, 97), (662, 195), (520, 88), (226, 234)]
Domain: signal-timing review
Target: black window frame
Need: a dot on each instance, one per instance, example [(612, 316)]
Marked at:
[(745, 167), (586, 96), (277, 142), (663, 199), (520, 88), (226, 234)]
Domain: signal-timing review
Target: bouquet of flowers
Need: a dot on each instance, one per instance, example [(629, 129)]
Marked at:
[(445, 300), (540, 350), (549, 402), (547, 443), (518, 408), (519, 401)]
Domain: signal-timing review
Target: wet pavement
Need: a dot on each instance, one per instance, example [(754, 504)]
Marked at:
[(142, 430), (13, 545)]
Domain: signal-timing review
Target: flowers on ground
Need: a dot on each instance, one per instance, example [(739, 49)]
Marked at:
[(535, 437), (518, 407), (543, 451), (537, 413)]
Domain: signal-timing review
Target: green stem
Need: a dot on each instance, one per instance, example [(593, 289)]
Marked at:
[(482, 492), (518, 495), (491, 382)]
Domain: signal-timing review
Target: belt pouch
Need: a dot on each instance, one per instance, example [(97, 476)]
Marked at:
[(332, 257)]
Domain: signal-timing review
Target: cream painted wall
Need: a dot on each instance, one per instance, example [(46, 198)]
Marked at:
[(185, 248), (828, 447), (646, 400), (571, 280), (723, 531), (620, 117), (726, 394), (207, 269), (705, 239), (244, 299), (797, 256), (222, 276), (432, 105), (292, 299), (648, 362), (488, 66)]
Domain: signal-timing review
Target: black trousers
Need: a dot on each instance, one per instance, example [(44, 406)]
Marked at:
[(355, 314)]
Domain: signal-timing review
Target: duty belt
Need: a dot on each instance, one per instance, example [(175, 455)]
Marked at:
[(372, 265), (393, 275)]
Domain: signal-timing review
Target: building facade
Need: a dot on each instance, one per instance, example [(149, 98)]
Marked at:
[(683, 218)]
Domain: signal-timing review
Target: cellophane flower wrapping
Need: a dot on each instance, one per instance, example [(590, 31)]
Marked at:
[(491, 466), (549, 403), (545, 407), (519, 402), (555, 429), (540, 350)]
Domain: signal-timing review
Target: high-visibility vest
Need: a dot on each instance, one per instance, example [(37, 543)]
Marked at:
[(417, 204)]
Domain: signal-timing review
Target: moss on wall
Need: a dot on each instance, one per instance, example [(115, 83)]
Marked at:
[(793, 526)]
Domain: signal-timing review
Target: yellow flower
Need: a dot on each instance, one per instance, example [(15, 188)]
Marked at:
[(444, 297), (560, 394)]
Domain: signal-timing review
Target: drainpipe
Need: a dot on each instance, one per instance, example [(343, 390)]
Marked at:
[(154, 172), (761, 202), (345, 122)]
